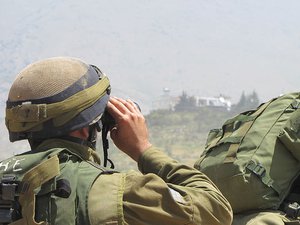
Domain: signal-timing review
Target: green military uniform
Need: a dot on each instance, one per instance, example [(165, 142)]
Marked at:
[(167, 193), (62, 182), (270, 217)]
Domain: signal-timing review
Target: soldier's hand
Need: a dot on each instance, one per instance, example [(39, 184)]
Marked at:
[(130, 133)]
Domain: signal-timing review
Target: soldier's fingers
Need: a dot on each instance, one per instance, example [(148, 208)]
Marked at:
[(130, 106), (119, 104), (133, 106), (113, 110), (122, 105)]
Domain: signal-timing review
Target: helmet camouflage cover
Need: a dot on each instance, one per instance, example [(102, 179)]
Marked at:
[(52, 97)]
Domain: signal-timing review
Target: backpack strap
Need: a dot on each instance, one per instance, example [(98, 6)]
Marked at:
[(260, 171), (233, 149), (35, 177)]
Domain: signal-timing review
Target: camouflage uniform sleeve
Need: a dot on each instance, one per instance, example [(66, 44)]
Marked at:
[(172, 193)]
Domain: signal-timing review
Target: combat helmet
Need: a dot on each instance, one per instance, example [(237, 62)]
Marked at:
[(55, 96)]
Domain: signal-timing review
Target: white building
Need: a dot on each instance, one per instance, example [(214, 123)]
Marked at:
[(213, 101), (166, 101)]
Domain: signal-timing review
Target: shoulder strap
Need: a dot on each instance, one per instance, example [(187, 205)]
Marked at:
[(35, 177)]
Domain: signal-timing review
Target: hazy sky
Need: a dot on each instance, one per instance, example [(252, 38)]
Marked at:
[(204, 47)]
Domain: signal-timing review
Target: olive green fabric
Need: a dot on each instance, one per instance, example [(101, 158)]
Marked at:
[(35, 178), (31, 116), (74, 168), (263, 218), (254, 157), (31, 170), (166, 192), (105, 200), (80, 168)]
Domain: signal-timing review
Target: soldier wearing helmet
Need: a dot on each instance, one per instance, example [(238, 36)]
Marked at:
[(57, 104)]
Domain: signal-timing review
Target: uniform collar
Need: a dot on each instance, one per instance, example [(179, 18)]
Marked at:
[(83, 151)]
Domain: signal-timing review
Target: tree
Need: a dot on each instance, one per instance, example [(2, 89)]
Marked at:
[(253, 100), (185, 103), (247, 102), (242, 102)]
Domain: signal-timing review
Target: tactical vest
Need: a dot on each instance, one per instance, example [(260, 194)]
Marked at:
[(49, 187)]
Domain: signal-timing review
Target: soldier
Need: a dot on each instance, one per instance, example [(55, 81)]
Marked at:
[(57, 105)]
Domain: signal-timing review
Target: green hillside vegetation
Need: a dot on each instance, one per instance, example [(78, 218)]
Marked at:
[(181, 135), (182, 132)]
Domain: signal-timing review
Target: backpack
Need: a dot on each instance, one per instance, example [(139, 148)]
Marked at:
[(33, 184), (254, 158)]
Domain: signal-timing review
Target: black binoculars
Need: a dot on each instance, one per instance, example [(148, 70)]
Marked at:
[(108, 120)]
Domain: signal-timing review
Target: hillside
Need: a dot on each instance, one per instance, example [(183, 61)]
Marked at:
[(203, 47), (181, 135)]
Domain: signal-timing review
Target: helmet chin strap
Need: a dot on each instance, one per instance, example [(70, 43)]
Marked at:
[(105, 144), (92, 139)]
